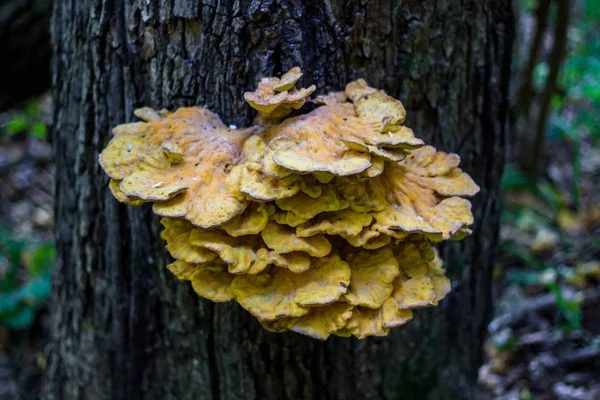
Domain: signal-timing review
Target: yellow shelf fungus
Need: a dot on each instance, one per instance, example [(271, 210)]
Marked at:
[(320, 223)]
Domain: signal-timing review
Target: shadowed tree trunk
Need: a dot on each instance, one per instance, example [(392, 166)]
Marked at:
[(124, 327), (24, 49)]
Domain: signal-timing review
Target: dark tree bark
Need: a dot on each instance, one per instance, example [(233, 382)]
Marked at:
[(532, 147), (25, 49), (124, 328)]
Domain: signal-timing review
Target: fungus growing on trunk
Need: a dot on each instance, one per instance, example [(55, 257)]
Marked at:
[(321, 223)]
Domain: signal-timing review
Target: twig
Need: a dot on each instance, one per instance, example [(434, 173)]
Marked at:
[(557, 57), (526, 90), (25, 158), (544, 303), (578, 356), (529, 161), (541, 304), (535, 338)]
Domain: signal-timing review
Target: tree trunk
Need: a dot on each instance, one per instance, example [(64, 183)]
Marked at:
[(25, 53), (124, 328)]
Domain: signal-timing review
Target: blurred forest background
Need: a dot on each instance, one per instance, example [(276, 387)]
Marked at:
[(544, 341)]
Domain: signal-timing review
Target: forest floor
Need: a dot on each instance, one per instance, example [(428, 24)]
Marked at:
[(26, 248), (544, 341)]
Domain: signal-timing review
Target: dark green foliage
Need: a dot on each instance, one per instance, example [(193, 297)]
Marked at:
[(25, 270), (28, 120)]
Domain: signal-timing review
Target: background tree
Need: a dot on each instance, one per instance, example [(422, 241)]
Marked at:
[(124, 328), (25, 53)]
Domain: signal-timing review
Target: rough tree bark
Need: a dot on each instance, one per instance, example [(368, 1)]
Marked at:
[(25, 51), (124, 328)]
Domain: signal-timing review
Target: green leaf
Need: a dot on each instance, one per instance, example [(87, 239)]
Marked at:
[(32, 108), (514, 179), (570, 133), (19, 319), (526, 257), (527, 397), (42, 260), (507, 345), (540, 74), (22, 294), (530, 277), (39, 130), (12, 249), (36, 291), (570, 310), (530, 220), (550, 194), (528, 5), (16, 125), (592, 9), (9, 302)]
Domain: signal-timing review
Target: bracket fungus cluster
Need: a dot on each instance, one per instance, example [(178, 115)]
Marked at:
[(321, 223)]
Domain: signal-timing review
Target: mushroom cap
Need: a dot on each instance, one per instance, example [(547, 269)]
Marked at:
[(307, 207), (113, 185), (212, 283), (283, 239), (296, 261), (288, 218), (283, 293), (419, 283), (330, 98), (366, 322), (376, 168), (243, 255), (344, 223), (276, 97), (420, 201), (416, 286), (180, 161), (119, 159), (177, 235), (251, 222), (385, 112), (258, 186), (372, 274), (331, 139), (287, 80), (320, 322), (369, 239)]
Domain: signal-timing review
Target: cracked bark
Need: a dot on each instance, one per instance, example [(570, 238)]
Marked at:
[(123, 327)]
